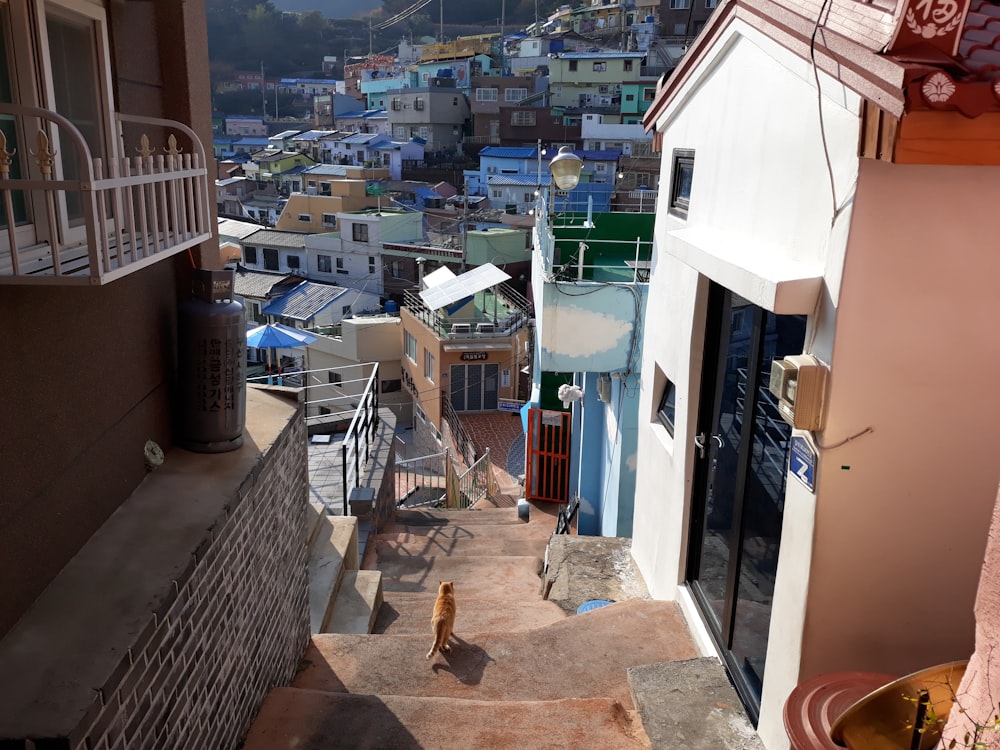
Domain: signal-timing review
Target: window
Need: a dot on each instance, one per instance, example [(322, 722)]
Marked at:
[(497, 193), (679, 4), (428, 365), (628, 66), (397, 105), (528, 197), (305, 217), (600, 167), (666, 411), (572, 65), (418, 103), (486, 95), (293, 261), (425, 132), (69, 51), (491, 170), (648, 94), (323, 263), (630, 97), (340, 267), (400, 131), (505, 378), (603, 89), (270, 259), (345, 310), (392, 386), (711, 4), (523, 119), (514, 95), (330, 220), (335, 378), (371, 264), (680, 29), (600, 67), (410, 346), (250, 255), (454, 101), (681, 176), (359, 232)]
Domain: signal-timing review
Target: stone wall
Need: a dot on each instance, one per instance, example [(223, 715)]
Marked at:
[(179, 615)]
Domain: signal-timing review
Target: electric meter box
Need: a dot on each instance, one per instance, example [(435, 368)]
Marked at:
[(799, 384)]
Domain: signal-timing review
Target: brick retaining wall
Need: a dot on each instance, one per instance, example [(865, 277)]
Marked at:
[(217, 633)]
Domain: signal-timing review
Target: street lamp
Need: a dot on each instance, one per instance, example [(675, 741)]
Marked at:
[(566, 167)]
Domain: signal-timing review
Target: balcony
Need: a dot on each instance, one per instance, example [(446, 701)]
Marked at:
[(496, 312), (69, 218), (590, 275)]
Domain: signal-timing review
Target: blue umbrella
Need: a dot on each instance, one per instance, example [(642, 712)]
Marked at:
[(277, 336)]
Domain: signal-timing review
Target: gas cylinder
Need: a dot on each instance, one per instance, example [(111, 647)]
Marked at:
[(211, 365)]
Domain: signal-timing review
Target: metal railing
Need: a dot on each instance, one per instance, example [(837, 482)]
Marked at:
[(69, 218), (472, 485), (510, 312), (356, 448), (425, 477), (461, 437)]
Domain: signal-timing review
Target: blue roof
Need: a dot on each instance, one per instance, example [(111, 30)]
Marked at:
[(312, 135), (518, 179), (510, 152), (358, 138), (252, 141), (602, 55), (305, 301), (425, 192), (605, 155)]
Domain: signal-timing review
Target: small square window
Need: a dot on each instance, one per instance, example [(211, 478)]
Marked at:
[(335, 378), (305, 217), (666, 412), (345, 310), (628, 66), (250, 256), (681, 177), (292, 261), (600, 67), (572, 65), (323, 263)]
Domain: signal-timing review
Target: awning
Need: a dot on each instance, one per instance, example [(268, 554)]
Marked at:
[(762, 275), (471, 346)]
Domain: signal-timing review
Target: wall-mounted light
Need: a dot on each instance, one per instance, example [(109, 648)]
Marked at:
[(566, 167)]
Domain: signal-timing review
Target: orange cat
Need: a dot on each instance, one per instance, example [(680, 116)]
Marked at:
[(443, 619)]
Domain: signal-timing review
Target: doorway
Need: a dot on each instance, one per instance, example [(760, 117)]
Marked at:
[(742, 446), (474, 387)]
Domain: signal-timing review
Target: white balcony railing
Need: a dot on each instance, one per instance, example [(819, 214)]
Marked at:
[(73, 219)]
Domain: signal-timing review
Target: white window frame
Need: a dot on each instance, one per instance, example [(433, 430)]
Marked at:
[(429, 365), (486, 94), (410, 346), (32, 84), (515, 94)]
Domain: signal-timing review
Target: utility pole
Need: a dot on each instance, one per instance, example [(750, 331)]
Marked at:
[(465, 223), (263, 92), (441, 25)]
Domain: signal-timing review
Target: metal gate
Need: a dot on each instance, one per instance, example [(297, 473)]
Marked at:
[(547, 466)]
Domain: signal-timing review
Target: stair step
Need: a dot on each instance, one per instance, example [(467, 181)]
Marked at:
[(334, 551), (308, 720), (583, 656), (504, 577), (358, 602), (390, 545), (404, 613), (461, 517)]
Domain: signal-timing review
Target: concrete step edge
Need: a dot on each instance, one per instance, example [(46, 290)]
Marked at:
[(334, 551), (357, 602)]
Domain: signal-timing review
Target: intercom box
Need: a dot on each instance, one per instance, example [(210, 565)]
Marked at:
[(798, 382)]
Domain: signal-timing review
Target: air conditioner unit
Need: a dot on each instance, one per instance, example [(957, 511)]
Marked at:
[(799, 384)]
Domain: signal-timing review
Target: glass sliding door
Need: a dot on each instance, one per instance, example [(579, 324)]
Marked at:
[(742, 448)]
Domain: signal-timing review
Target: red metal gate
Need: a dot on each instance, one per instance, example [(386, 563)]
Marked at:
[(547, 465)]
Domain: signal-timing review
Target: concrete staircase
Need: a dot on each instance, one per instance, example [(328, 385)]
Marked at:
[(342, 598), (521, 673)]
